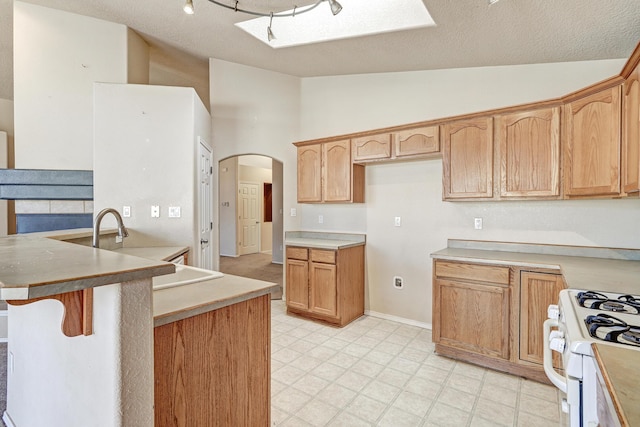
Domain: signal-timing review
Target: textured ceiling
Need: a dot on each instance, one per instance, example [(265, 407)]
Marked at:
[(468, 33)]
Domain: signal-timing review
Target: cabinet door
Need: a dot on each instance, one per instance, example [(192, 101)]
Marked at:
[(467, 159), (336, 158), (529, 153), (537, 292), (323, 289), (592, 145), (310, 173), (371, 147), (298, 284), (472, 317), (412, 142), (631, 134)]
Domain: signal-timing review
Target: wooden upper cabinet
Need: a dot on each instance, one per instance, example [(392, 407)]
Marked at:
[(467, 159), (336, 159), (631, 134), (592, 145), (372, 147), (310, 173), (528, 145), (412, 142)]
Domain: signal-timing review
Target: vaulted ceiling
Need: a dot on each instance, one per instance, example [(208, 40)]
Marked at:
[(468, 33)]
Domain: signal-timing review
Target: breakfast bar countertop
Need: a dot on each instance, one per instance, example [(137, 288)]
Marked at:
[(323, 240), (32, 266)]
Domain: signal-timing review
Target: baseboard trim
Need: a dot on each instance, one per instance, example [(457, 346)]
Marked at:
[(398, 319), (7, 420)]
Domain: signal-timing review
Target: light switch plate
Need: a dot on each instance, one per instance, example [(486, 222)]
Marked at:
[(477, 223), (174, 211), (155, 211), (126, 211), (294, 212), (398, 221)]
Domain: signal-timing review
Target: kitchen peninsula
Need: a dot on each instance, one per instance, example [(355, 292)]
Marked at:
[(106, 371)]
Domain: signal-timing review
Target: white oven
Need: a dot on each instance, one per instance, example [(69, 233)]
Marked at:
[(580, 319)]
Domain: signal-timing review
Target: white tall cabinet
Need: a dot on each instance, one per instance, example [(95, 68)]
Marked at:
[(146, 153)]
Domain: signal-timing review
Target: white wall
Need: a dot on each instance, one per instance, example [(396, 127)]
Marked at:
[(256, 111), (146, 154), (57, 58), (228, 187), (413, 190)]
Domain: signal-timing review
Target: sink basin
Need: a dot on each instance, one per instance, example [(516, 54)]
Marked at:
[(184, 275)]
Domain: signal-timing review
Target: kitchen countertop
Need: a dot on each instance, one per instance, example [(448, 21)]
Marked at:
[(618, 368), (158, 253), (592, 272), (181, 302), (323, 240), (33, 266)]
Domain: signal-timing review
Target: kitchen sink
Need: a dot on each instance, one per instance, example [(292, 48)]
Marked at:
[(184, 275)]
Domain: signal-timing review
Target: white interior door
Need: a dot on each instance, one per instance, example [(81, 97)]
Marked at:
[(248, 218), (205, 207)]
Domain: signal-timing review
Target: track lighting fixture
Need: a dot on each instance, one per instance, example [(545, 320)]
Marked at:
[(235, 6), (188, 7)]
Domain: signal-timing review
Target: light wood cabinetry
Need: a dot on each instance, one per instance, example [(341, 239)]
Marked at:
[(631, 134), (327, 174), (528, 152), (537, 292), (592, 145), (417, 141), (374, 147), (310, 173), (473, 308), (492, 315), (213, 369), (467, 159), (326, 284)]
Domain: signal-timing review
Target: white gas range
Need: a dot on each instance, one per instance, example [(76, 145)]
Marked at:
[(580, 319)]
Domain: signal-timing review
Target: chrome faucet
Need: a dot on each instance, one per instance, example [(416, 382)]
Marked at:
[(122, 230)]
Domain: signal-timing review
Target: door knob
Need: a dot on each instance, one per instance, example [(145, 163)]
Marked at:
[(203, 241)]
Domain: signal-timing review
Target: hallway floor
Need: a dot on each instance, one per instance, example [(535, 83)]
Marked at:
[(254, 266)]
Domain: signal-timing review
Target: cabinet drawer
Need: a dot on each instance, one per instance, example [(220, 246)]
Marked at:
[(323, 255), (297, 253), (473, 272)]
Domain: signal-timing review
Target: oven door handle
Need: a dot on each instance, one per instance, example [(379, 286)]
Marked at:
[(547, 358)]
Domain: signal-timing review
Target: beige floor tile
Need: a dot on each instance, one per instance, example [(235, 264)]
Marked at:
[(311, 384), (377, 334), (328, 371), (440, 362), (317, 413), (395, 417), (299, 332), (287, 374), (275, 365), (405, 365), (367, 368), (344, 360), (395, 338), (503, 380), (337, 395), (295, 422), (317, 337), (380, 391), (306, 363), (531, 420), (290, 400), (458, 399), (353, 380), (501, 395), (277, 387), (335, 343), (284, 340), (379, 357), (408, 331), (367, 342), (302, 346), (322, 352), (393, 377), (539, 407), (278, 416), (469, 370), (432, 374), (541, 391), (478, 421), (447, 416), (413, 354), (414, 403), (345, 419), (423, 388), (366, 408), (500, 414), (356, 350), (286, 355), (463, 383), (389, 348)]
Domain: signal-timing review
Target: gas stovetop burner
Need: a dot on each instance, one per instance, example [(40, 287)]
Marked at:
[(611, 329), (623, 304)]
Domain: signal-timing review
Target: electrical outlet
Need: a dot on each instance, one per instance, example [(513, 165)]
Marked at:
[(155, 211), (126, 211), (477, 223), (320, 219), (293, 212), (398, 282), (398, 221), (174, 211)]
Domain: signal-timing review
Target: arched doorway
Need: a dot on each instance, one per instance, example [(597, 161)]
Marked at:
[(250, 217)]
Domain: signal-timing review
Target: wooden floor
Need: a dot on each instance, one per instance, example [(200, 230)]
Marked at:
[(254, 266)]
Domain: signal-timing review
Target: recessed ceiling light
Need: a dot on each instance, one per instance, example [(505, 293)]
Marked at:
[(357, 18)]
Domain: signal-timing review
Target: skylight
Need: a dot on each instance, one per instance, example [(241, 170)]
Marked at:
[(357, 18)]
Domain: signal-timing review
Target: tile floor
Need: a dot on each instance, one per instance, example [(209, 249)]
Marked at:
[(378, 372)]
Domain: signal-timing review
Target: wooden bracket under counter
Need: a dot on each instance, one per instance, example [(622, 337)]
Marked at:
[(78, 311)]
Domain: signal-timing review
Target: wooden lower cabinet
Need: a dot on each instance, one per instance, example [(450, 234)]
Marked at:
[(492, 315), (537, 292), (326, 285), (213, 369)]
